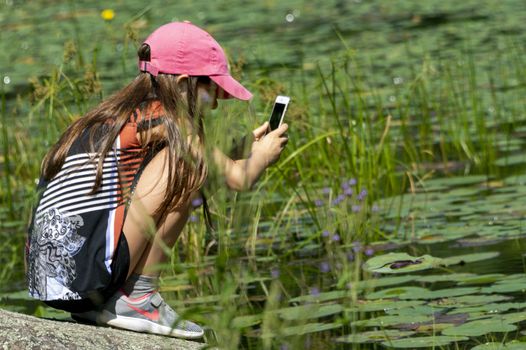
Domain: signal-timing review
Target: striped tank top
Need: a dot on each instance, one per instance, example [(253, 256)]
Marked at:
[(74, 233)]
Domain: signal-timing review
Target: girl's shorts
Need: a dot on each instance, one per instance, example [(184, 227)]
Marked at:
[(119, 267)]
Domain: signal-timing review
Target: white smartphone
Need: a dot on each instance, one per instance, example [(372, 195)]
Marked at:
[(278, 111)]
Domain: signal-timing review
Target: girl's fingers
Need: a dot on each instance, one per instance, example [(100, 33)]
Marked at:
[(281, 130), (260, 131)]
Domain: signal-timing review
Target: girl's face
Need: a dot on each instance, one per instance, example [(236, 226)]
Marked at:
[(207, 94)]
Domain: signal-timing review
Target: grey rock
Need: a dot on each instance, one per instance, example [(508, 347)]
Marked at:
[(19, 331)]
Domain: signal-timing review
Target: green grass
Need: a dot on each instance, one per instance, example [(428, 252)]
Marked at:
[(444, 118)]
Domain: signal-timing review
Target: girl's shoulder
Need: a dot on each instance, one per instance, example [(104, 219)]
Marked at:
[(147, 111)]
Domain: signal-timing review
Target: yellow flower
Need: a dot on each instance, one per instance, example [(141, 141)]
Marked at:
[(107, 14)]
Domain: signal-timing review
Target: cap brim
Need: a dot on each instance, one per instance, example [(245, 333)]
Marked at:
[(232, 87)]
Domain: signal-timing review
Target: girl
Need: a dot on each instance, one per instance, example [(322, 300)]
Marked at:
[(131, 166)]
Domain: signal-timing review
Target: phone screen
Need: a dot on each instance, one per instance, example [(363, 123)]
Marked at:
[(275, 118)]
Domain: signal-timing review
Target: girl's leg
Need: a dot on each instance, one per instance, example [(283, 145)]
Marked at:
[(158, 251), (145, 241), (138, 305)]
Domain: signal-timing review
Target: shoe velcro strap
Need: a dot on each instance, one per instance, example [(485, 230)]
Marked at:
[(156, 300)]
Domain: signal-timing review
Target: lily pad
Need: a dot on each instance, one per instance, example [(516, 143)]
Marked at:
[(514, 277), (309, 311), (374, 336), (410, 293), (405, 263), (398, 292), (392, 320), (463, 192), (492, 308), (449, 292), (320, 297), (506, 286), (480, 327), (438, 238), (383, 305), (469, 300), (511, 160), (481, 279), (309, 328), (382, 282), (453, 277), (514, 317), (432, 327), (499, 346), (414, 310), (400, 263), (477, 241), (469, 258), (457, 180), (422, 342), (515, 180)]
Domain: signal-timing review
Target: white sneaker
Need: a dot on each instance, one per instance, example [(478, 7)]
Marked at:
[(147, 314)]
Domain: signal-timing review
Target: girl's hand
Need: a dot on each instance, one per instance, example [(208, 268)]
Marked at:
[(260, 131), (267, 148)]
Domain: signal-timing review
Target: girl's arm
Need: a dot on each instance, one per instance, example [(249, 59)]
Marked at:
[(242, 174)]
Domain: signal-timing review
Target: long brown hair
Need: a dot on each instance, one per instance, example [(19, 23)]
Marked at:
[(182, 133)]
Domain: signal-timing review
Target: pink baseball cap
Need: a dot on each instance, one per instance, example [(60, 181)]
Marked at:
[(184, 48)]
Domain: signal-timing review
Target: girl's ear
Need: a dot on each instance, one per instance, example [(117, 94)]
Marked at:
[(182, 82), (182, 78)]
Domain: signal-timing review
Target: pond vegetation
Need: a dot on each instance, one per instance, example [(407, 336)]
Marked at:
[(395, 217)]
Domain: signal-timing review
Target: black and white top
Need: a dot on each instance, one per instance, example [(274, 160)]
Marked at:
[(74, 233)]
